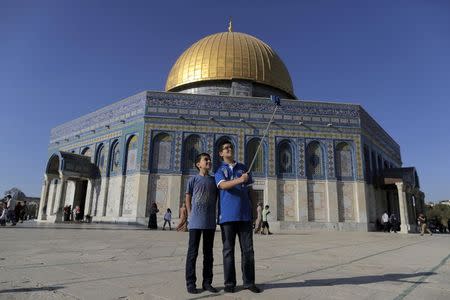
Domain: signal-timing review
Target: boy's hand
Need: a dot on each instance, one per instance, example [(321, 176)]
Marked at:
[(244, 177)]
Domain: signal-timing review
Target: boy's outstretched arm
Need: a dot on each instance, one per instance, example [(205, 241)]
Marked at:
[(228, 184), (188, 203)]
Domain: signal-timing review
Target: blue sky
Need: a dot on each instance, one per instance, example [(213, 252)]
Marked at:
[(62, 59)]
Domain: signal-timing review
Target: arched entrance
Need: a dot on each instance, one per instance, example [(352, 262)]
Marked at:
[(66, 183)]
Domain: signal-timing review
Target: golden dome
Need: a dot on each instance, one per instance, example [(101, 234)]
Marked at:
[(227, 56)]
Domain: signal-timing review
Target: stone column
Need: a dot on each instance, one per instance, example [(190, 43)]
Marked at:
[(142, 198), (174, 193), (332, 201), (404, 219), (44, 199), (60, 197), (361, 203), (119, 208), (302, 200), (271, 198), (89, 198)]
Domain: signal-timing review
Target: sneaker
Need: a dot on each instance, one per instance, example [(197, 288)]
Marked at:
[(210, 288), (229, 289), (253, 288), (192, 290)]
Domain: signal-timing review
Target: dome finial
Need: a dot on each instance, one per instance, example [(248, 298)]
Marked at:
[(230, 25)]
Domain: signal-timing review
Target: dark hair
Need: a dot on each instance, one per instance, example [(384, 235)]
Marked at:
[(267, 206), (198, 158), (226, 142)]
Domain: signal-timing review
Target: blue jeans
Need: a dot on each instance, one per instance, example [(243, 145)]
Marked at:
[(244, 231)]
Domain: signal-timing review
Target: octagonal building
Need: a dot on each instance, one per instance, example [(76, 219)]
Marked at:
[(322, 165)]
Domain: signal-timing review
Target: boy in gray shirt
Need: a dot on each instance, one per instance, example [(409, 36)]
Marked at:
[(201, 201)]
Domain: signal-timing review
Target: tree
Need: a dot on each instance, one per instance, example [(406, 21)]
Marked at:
[(15, 193), (440, 213)]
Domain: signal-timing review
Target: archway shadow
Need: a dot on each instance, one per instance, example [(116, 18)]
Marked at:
[(32, 289), (357, 280)]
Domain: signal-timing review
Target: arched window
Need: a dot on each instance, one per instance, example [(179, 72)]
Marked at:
[(191, 148), (367, 169), (115, 157), (285, 161), (87, 152), (131, 153), (374, 164), (344, 162), (162, 149), (314, 161), (258, 165), (100, 158)]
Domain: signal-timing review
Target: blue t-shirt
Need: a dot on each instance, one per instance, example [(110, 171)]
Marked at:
[(203, 193), (234, 204)]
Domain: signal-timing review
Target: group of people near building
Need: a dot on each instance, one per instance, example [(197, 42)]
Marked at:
[(13, 211), (391, 223), (261, 222), (230, 188), (72, 214)]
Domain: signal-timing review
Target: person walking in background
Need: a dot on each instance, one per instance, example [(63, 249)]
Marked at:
[(423, 224), (78, 216), (394, 222), (182, 225), (167, 219), (258, 220), (385, 222), (265, 223), (18, 211), (3, 214), (24, 212), (11, 205), (152, 221)]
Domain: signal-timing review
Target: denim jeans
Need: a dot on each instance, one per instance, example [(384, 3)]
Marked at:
[(244, 231), (194, 242)]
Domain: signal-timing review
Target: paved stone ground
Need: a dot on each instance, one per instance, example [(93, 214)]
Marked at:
[(91, 261)]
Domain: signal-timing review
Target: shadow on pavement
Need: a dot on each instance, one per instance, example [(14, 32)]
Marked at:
[(397, 277), (32, 289)]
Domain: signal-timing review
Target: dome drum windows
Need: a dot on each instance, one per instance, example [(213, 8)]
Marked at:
[(114, 166), (344, 161), (192, 146), (100, 158), (162, 152), (259, 167), (131, 154), (314, 161), (285, 158)]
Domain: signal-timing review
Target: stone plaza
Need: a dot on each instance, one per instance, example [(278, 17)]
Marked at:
[(105, 261)]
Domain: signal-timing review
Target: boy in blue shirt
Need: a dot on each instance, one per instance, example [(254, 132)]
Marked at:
[(201, 201), (235, 218)]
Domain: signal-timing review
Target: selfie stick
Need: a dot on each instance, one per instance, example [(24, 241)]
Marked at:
[(276, 101)]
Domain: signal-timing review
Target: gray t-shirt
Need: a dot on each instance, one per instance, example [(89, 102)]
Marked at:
[(203, 191)]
